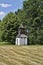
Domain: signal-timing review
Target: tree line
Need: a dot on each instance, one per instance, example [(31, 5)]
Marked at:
[(31, 16)]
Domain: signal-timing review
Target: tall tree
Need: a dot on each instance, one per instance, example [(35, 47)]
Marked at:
[(34, 17), (11, 23)]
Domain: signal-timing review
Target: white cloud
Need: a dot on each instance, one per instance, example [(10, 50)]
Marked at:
[(5, 5), (2, 14)]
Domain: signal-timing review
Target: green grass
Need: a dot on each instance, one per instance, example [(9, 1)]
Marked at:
[(21, 55), (5, 43)]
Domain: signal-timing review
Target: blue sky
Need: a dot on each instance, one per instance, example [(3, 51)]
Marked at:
[(7, 6)]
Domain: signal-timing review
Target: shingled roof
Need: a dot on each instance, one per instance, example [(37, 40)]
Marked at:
[(21, 35)]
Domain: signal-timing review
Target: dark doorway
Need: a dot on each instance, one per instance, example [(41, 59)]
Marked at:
[(28, 41)]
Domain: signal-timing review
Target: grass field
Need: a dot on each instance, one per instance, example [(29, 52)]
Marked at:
[(21, 55)]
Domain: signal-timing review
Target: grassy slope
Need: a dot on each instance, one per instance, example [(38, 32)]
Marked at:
[(21, 55), (5, 43)]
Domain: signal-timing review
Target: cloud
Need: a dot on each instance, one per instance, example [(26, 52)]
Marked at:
[(2, 14), (5, 5)]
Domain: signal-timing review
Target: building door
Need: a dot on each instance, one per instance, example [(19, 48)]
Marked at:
[(22, 41), (25, 41)]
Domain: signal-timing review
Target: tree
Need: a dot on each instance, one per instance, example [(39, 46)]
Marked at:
[(31, 16), (11, 23), (34, 17)]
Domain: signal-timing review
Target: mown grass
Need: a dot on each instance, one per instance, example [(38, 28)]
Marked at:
[(21, 55)]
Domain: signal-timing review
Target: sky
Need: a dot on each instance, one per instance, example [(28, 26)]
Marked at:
[(7, 6)]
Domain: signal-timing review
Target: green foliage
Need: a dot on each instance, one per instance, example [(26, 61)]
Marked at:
[(0, 31), (11, 23), (34, 16), (31, 16)]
